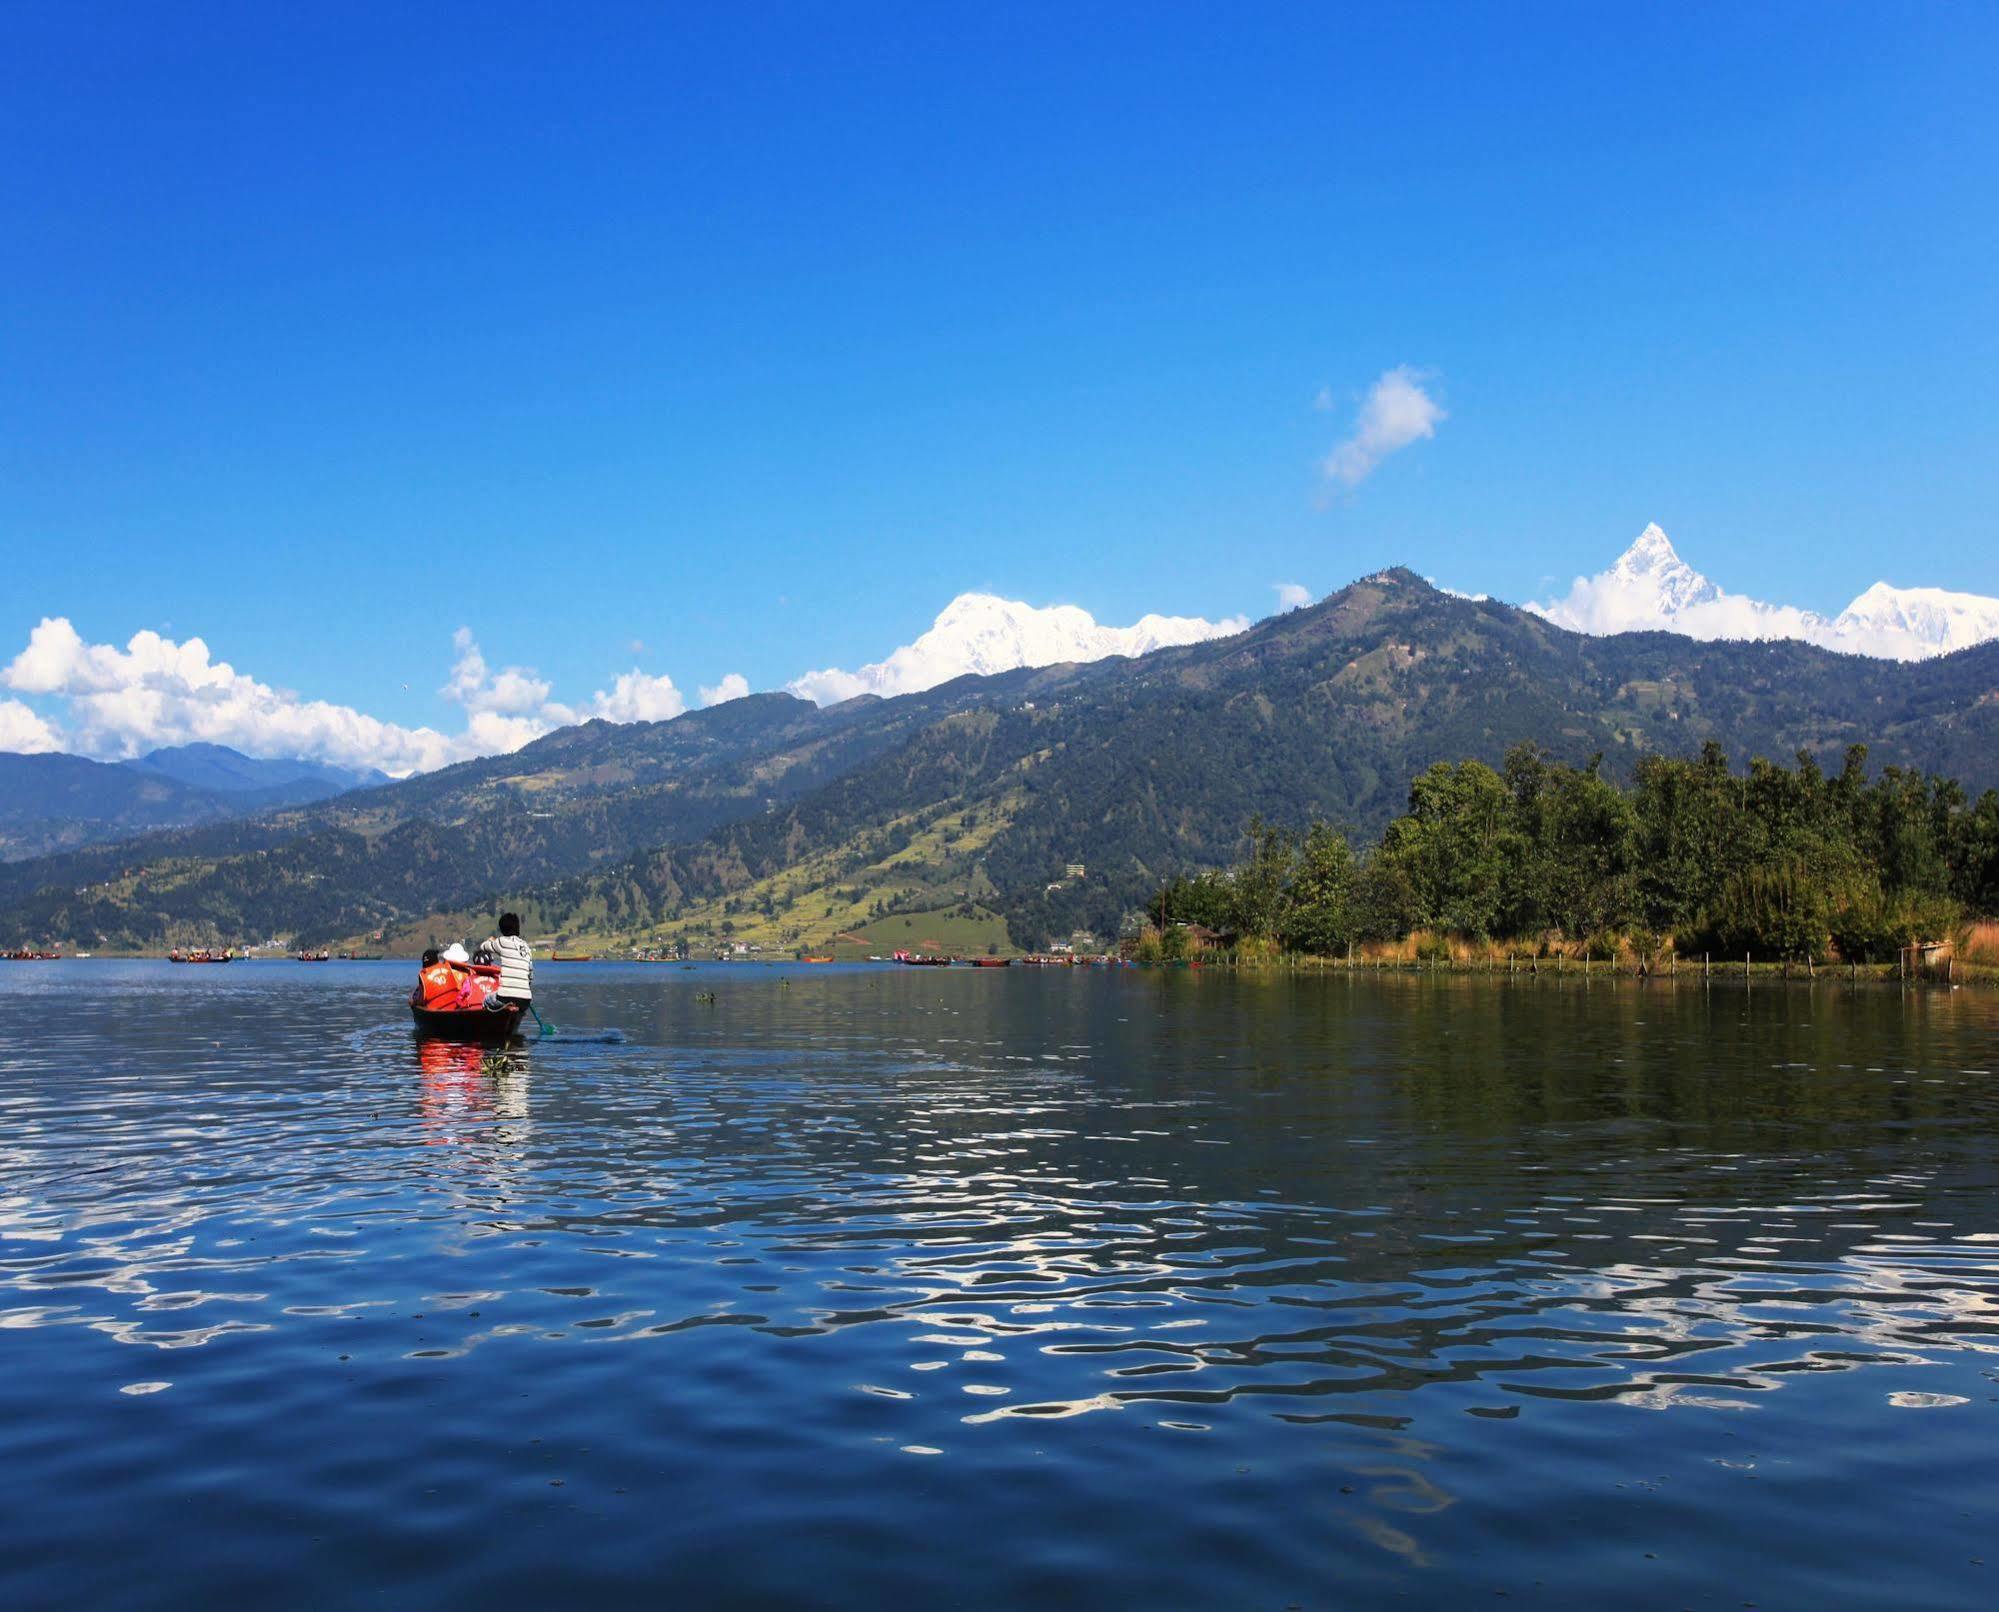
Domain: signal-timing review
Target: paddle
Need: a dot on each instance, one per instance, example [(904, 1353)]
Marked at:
[(546, 1027)]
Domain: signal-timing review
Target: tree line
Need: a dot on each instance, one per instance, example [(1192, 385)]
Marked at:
[(1776, 863)]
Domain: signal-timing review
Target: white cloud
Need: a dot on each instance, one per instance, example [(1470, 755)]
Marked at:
[(981, 633), (154, 692), (512, 691), (636, 697), (1395, 413), (830, 685), (1292, 595), (732, 687), (23, 732)]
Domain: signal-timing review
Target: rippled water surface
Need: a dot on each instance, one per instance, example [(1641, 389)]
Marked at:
[(991, 1288)]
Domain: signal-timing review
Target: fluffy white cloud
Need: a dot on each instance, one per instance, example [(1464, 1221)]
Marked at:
[(831, 685), (512, 691), (23, 732), (154, 692), (512, 706), (980, 633), (732, 687), (636, 697), (1395, 413), (1292, 595)]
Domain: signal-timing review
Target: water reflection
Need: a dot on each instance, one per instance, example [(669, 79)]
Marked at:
[(1373, 1242)]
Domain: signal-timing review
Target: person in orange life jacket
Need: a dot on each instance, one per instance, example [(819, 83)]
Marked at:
[(441, 982), (449, 982)]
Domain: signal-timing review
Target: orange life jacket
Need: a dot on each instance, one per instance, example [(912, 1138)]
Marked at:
[(441, 983)]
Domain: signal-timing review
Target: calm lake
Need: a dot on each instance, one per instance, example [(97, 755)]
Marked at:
[(1074, 1288)]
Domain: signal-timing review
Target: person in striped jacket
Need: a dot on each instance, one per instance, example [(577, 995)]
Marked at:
[(515, 957)]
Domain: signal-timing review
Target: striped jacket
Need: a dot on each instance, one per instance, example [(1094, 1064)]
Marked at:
[(516, 959)]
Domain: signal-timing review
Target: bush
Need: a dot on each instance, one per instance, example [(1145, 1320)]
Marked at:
[(1872, 927), (1771, 915)]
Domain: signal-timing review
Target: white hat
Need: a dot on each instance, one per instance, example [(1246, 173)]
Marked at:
[(456, 953)]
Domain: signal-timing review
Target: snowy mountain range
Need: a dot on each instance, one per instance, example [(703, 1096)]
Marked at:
[(1650, 588), (982, 633)]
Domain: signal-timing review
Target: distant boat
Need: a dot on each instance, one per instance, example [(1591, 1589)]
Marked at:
[(570, 957), (916, 961), (201, 954), (815, 959), (25, 956), (315, 957), (992, 962)]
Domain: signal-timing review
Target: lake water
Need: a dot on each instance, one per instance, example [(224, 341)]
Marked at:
[(866, 1287)]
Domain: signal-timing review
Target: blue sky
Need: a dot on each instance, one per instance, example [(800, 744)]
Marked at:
[(753, 334)]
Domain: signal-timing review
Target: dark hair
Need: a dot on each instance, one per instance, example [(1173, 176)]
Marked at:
[(510, 923), (429, 955)]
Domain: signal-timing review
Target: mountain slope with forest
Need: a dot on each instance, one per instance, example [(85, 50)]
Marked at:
[(770, 813)]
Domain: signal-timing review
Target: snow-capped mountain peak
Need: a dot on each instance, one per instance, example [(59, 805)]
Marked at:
[(1935, 618), (983, 633), (1655, 565), (1650, 588)]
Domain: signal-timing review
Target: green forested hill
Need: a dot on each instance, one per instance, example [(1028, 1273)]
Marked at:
[(1140, 770), (767, 814)]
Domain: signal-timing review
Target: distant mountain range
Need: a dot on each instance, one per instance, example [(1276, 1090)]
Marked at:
[(1650, 588), (781, 820), (230, 772), (53, 802)]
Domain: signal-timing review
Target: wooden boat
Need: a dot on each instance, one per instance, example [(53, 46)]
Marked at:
[(314, 957), (489, 1025), (815, 959), (31, 957), (992, 962), (569, 957), (201, 955), (922, 962)]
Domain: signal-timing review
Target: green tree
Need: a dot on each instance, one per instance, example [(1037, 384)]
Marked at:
[(1320, 915)]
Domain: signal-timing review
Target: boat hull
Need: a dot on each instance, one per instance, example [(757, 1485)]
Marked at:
[(469, 1024)]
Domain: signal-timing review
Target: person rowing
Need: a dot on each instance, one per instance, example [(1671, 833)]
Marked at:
[(515, 958)]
